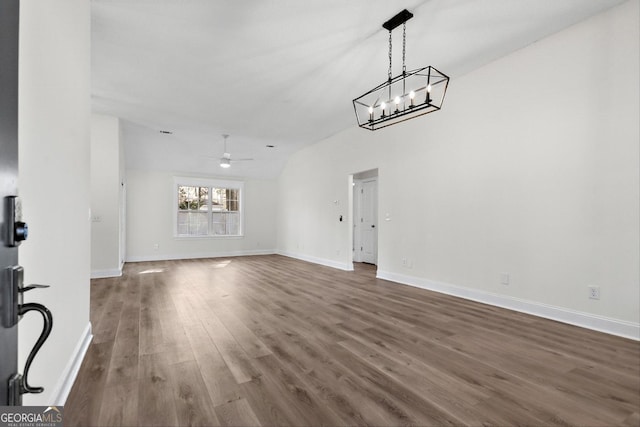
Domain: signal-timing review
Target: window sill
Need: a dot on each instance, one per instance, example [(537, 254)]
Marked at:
[(239, 236)]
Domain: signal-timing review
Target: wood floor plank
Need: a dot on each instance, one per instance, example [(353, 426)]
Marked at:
[(150, 333), (108, 326), (237, 413), (221, 385), (426, 370), (125, 355), (338, 389), (155, 392), (123, 367), (89, 388), (249, 342), (395, 397), (102, 289), (120, 404), (233, 354), (193, 406), (270, 340), (297, 398), (267, 408), (458, 410)]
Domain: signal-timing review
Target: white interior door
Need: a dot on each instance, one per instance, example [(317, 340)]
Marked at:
[(369, 221)]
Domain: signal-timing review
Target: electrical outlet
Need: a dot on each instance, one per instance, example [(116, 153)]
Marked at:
[(594, 292)]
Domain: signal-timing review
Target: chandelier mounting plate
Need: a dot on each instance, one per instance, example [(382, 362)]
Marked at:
[(397, 20)]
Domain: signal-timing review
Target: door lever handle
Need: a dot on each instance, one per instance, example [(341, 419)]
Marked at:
[(30, 287)]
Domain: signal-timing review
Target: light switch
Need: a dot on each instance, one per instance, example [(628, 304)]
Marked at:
[(504, 278)]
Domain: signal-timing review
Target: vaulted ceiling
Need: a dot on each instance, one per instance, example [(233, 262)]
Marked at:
[(281, 72)]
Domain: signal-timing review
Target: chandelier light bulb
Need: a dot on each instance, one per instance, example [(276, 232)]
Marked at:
[(412, 95), (429, 88), (383, 105), (397, 102), (371, 113)]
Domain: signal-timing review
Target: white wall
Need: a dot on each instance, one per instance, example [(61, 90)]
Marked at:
[(106, 190), (150, 204), (54, 117), (531, 168)]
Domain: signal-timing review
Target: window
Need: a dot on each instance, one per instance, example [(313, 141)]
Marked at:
[(207, 208)]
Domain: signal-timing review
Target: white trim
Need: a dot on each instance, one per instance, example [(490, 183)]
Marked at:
[(208, 182), (186, 237), (321, 261), (356, 238), (101, 274), (608, 325), (66, 380), (225, 254)]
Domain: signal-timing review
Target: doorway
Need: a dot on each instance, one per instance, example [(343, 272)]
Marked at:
[(365, 217)]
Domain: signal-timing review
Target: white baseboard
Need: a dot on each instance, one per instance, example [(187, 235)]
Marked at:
[(102, 274), (586, 320), (167, 257), (315, 260), (63, 387)]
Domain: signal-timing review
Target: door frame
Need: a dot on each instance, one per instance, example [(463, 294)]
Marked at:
[(355, 195)]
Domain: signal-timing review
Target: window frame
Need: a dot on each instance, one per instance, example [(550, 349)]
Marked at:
[(182, 181)]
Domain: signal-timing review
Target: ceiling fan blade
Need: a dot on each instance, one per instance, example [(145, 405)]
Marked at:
[(240, 160)]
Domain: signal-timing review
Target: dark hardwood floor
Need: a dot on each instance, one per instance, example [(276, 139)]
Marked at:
[(270, 340)]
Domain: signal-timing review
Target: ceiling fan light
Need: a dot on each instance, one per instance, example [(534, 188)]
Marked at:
[(225, 163)]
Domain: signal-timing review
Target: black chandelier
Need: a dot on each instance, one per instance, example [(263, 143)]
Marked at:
[(405, 96)]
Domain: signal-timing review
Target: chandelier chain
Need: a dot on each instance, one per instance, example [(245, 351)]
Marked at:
[(390, 55), (404, 46)]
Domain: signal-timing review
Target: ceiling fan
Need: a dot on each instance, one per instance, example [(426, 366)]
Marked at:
[(225, 160)]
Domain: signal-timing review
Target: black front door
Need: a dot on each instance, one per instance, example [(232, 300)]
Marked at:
[(9, 12)]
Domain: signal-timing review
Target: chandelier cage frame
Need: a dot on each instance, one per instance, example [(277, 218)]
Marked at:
[(403, 97)]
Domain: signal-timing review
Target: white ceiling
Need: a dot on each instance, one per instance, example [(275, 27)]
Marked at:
[(281, 72)]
